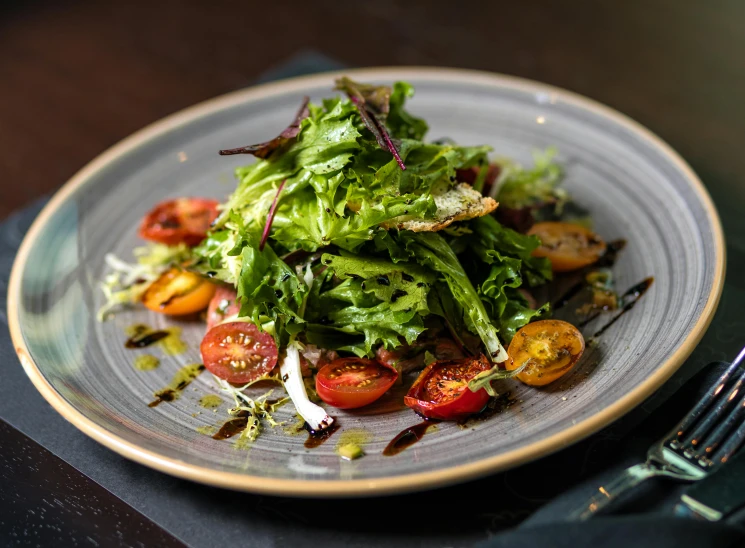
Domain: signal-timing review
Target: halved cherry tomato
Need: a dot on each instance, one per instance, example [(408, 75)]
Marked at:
[(183, 220), (567, 245), (552, 346), (222, 306), (348, 383), (238, 352), (441, 390), (178, 292)]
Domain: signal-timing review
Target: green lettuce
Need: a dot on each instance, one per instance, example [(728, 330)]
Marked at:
[(520, 187), (376, 302), (508, 254), (344, 194), (433, 251), (268, 289)]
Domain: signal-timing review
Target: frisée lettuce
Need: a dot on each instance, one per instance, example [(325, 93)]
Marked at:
[(342, 182)]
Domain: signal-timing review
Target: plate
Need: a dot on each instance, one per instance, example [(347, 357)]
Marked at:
[(636, 187)]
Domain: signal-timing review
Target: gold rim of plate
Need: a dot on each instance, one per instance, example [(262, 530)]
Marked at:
[(383, 485)]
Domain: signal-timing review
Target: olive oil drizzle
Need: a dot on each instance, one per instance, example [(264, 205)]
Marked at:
[(181, 380), (630, 298)]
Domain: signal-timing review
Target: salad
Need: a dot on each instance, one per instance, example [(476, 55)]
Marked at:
[(354, 252)]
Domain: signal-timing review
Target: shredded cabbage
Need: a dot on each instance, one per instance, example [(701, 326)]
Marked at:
[(126, 282)]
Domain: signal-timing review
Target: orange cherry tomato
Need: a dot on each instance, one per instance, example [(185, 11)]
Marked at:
[(552, 347), (348, 383), (567, 246), (178, 292), (183, 220), (441, 390)]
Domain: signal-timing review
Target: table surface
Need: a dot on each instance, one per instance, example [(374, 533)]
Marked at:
[(76, 77)]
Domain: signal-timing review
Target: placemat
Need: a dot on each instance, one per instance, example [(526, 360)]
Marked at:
[(206, 516)]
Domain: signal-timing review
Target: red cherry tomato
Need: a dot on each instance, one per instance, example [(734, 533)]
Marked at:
[(348, 383), (441, 390), (222, 306), (238, 352), (183, 220)]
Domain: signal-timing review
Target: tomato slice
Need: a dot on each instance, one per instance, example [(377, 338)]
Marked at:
[(222, 306), (348, 383), (568, 246), (178, 292), (552, 346), (238, 352), (183, 220), (441, 390)]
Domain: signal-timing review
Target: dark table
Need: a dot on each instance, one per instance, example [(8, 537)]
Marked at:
[(76, 77)]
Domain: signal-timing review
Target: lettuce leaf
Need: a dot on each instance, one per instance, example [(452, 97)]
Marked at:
[(376, 302), (493, 242), (326, 143), (266, 149), (508, 254), (313, 220), (268, 289), (519, 187), (400, 122), (432, 250)]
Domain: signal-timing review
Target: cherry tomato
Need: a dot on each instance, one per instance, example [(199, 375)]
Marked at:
[(178, 292), (238, 352), (567, 245), (553, 346), (441, 390), (348, 383), (183, 220), (222, 306)]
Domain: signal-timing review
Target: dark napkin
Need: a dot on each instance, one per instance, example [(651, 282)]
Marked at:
[(643, 518), (455, 516)]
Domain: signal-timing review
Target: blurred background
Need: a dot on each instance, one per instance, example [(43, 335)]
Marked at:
[(78, 76)]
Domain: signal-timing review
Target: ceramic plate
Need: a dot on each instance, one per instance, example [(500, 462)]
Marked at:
[(634, 185)]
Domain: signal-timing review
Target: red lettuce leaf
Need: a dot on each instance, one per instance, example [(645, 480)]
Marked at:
[(264, 150), (270, 217), (373, 104)]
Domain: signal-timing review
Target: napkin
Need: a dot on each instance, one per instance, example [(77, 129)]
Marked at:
[(642, 518)]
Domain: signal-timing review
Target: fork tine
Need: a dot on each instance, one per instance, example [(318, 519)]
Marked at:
[(706, 402), (712, 417), (731, 446), (736, 416)]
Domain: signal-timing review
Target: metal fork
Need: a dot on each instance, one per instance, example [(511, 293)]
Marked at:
[(709, 435)]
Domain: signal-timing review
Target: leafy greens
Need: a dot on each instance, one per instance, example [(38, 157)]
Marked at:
[(328, 191)]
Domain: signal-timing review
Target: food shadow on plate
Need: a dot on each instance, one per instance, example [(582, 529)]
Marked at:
[(391, 402)]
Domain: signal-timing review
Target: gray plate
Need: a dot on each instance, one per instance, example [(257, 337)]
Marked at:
[(636, 187)]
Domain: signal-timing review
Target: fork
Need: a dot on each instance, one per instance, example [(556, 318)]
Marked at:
[(706, 437)]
